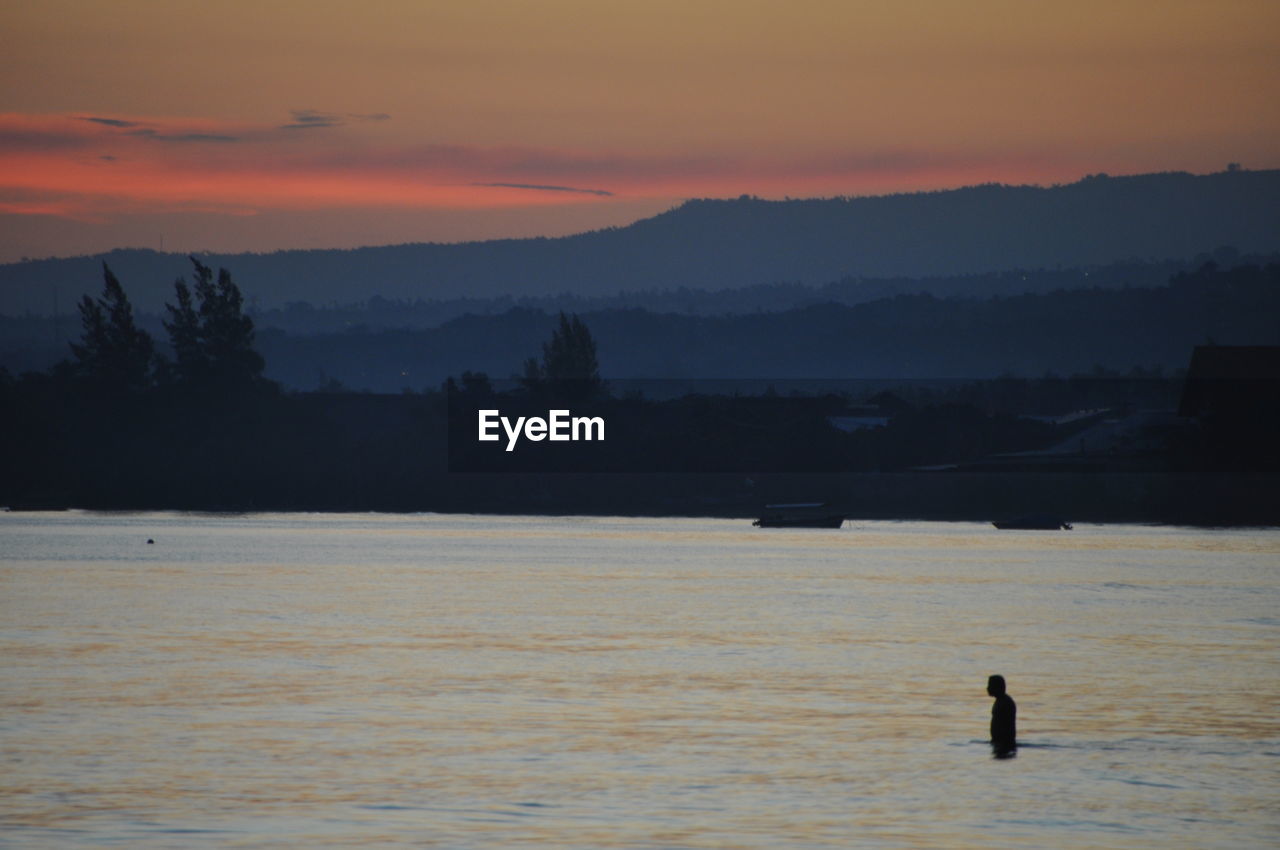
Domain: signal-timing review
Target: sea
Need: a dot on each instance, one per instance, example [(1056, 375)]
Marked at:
[(179, 680)]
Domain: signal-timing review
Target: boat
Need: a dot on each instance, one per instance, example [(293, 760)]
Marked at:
[(1039, 522), (799, 515)]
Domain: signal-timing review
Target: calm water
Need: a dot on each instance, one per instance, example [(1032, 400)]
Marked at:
[(468, 682)]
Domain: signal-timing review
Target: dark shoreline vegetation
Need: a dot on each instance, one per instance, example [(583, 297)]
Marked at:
[(197, 427)]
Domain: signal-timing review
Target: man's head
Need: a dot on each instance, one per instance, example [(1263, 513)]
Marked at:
[(995, 685)]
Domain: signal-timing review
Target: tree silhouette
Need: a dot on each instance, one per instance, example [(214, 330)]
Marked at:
[(569, 365), (211, 336), (114, 353), (183, 325)]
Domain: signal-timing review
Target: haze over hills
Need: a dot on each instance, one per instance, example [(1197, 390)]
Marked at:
[(725, 244), (1117, 316), (904, 337)]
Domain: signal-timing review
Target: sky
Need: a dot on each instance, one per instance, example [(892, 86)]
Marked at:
[(258, 125)]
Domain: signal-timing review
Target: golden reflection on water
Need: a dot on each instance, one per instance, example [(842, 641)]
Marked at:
[(334, 681)]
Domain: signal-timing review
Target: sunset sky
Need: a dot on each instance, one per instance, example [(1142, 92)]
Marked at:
[(263, 124)]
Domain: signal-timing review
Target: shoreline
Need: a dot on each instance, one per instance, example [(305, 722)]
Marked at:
[(1217, 500)]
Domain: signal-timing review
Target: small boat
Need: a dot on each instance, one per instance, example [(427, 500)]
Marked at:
[(1033, 523), (799, 515)]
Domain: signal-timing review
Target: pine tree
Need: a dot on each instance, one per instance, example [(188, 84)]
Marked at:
[(569, 366), (571, 353), (114, 353), (211, 336), (183, 326)]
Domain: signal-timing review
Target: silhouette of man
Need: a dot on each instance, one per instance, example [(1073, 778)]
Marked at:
[(1004, 717)]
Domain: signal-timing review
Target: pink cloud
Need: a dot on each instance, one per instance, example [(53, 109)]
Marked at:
[(88, 166)]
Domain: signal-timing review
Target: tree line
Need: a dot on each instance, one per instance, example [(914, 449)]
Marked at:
[(126, 423)]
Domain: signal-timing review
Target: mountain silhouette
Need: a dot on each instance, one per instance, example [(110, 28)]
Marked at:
[(722, 244)]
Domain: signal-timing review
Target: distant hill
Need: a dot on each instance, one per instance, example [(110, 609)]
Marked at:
[(903, 337), (713, 244)]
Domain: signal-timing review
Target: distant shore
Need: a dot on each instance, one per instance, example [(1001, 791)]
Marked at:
[(1209, 500)]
